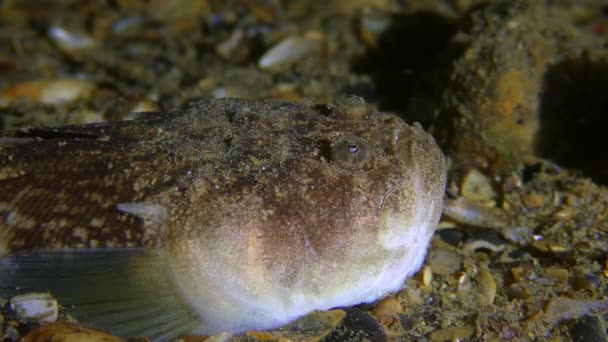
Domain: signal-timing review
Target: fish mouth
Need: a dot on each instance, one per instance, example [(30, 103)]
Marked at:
[(403, 144), (396, 214), (388, 194)]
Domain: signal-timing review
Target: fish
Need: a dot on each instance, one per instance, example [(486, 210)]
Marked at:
[(226, 216)]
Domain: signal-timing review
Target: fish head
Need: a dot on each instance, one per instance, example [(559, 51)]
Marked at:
[(335, 205)]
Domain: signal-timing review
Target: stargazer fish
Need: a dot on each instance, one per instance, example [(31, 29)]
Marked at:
[(228, 215)]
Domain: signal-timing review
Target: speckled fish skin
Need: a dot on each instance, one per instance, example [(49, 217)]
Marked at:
[(263, 210)]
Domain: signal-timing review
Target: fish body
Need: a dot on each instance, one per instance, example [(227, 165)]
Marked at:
[(226, 216)]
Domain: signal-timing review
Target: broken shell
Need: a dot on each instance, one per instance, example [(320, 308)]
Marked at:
[(40, 306), (472, 247), (144, 106), (488, 286), (137, 108), (48, 91), (74, 44), (444, 262), (477, 187), (452, 334), (427, 276), (290, 51), (412, 297), (62, 332), (468, 212)]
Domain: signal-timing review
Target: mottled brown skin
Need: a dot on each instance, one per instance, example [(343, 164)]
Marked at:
[(256, 195)]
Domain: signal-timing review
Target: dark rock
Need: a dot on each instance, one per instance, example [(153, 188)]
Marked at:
[(357, 326), (589, 328)]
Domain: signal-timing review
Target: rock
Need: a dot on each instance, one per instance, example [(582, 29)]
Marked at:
[(491, 113)]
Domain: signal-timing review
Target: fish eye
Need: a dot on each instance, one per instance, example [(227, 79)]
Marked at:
[(351, 152)]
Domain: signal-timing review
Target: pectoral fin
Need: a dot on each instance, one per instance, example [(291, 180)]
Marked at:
[(128, 292)]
